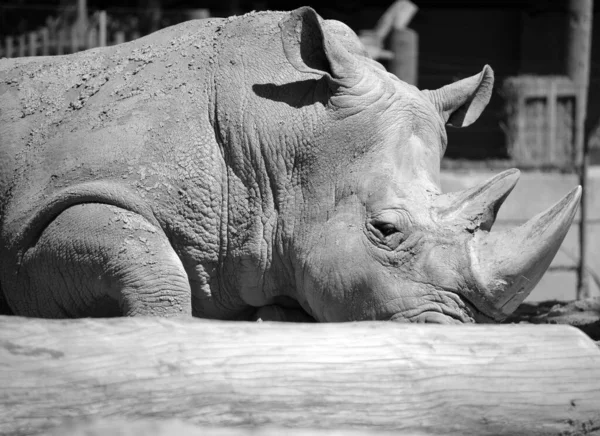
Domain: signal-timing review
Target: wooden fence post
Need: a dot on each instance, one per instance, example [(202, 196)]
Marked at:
[(578, 69), (32, 44), (9, 47), (74, 40), (61, 42), (404, 47), (92, 38), (22, 43), (102, 29), (119, 37), (404, 43), (81, 11), (45, 33)]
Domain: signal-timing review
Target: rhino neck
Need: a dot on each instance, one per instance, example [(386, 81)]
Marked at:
[(264, 197), (264, 119)]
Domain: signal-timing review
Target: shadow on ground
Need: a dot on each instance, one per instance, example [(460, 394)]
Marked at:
[(583, 314)]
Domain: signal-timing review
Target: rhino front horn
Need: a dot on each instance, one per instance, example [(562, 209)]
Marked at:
[(507, 265)]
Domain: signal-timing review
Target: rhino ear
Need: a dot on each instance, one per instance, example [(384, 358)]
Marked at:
[(461, 103), (310, 48)]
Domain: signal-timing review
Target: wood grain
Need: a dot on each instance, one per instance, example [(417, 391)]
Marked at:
[(150, 427), (425, 379)]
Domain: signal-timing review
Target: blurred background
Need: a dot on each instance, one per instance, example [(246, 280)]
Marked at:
[(544, 116)]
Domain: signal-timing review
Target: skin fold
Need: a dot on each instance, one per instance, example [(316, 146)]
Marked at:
[(259, 166)]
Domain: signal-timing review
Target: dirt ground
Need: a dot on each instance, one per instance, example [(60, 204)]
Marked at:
[(583, 314)]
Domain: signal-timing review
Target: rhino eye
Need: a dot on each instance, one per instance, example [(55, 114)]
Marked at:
[(387, 234), (386, 229)]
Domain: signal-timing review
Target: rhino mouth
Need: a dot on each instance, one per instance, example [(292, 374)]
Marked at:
[(461, 311), (476, 314)]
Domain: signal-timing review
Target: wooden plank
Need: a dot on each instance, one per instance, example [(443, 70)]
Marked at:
[(172, 427), (429, 379), (564, 88)]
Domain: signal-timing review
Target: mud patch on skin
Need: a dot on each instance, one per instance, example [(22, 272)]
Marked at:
[(132, 221), (20, 350)]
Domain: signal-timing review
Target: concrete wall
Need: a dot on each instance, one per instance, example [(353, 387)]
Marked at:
[(534, 193)]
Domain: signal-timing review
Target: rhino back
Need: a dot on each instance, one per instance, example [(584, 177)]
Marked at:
[(133, 118)]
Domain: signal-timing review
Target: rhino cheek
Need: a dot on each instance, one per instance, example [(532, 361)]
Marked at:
[(407, 299), (430, 289), (444, 266), (329, 272), (347, 280), (343, 279)]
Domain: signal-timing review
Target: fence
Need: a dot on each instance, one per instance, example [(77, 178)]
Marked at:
[(540, 121), (56, 38), (98, 30)]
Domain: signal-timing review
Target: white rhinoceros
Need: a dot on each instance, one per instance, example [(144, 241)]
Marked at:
[(254, 166)]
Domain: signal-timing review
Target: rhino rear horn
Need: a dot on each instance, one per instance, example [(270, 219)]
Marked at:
[(478, 206), (461, 103), (310, 48)]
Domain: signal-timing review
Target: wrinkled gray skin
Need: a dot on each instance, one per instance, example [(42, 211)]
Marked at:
[(256, 166)]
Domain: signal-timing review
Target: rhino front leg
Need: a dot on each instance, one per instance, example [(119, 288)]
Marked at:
[(100, 260)]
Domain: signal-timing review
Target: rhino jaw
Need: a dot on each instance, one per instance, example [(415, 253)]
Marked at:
[(507, 265)]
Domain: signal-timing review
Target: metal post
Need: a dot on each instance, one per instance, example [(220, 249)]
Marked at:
[(578, 69)]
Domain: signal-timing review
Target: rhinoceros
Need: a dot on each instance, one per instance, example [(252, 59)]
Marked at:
[(260, 166)]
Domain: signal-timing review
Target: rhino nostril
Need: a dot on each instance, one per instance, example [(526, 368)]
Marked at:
[(486, 224)]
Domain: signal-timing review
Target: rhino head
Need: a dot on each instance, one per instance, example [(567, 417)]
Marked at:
[(377, 238)]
